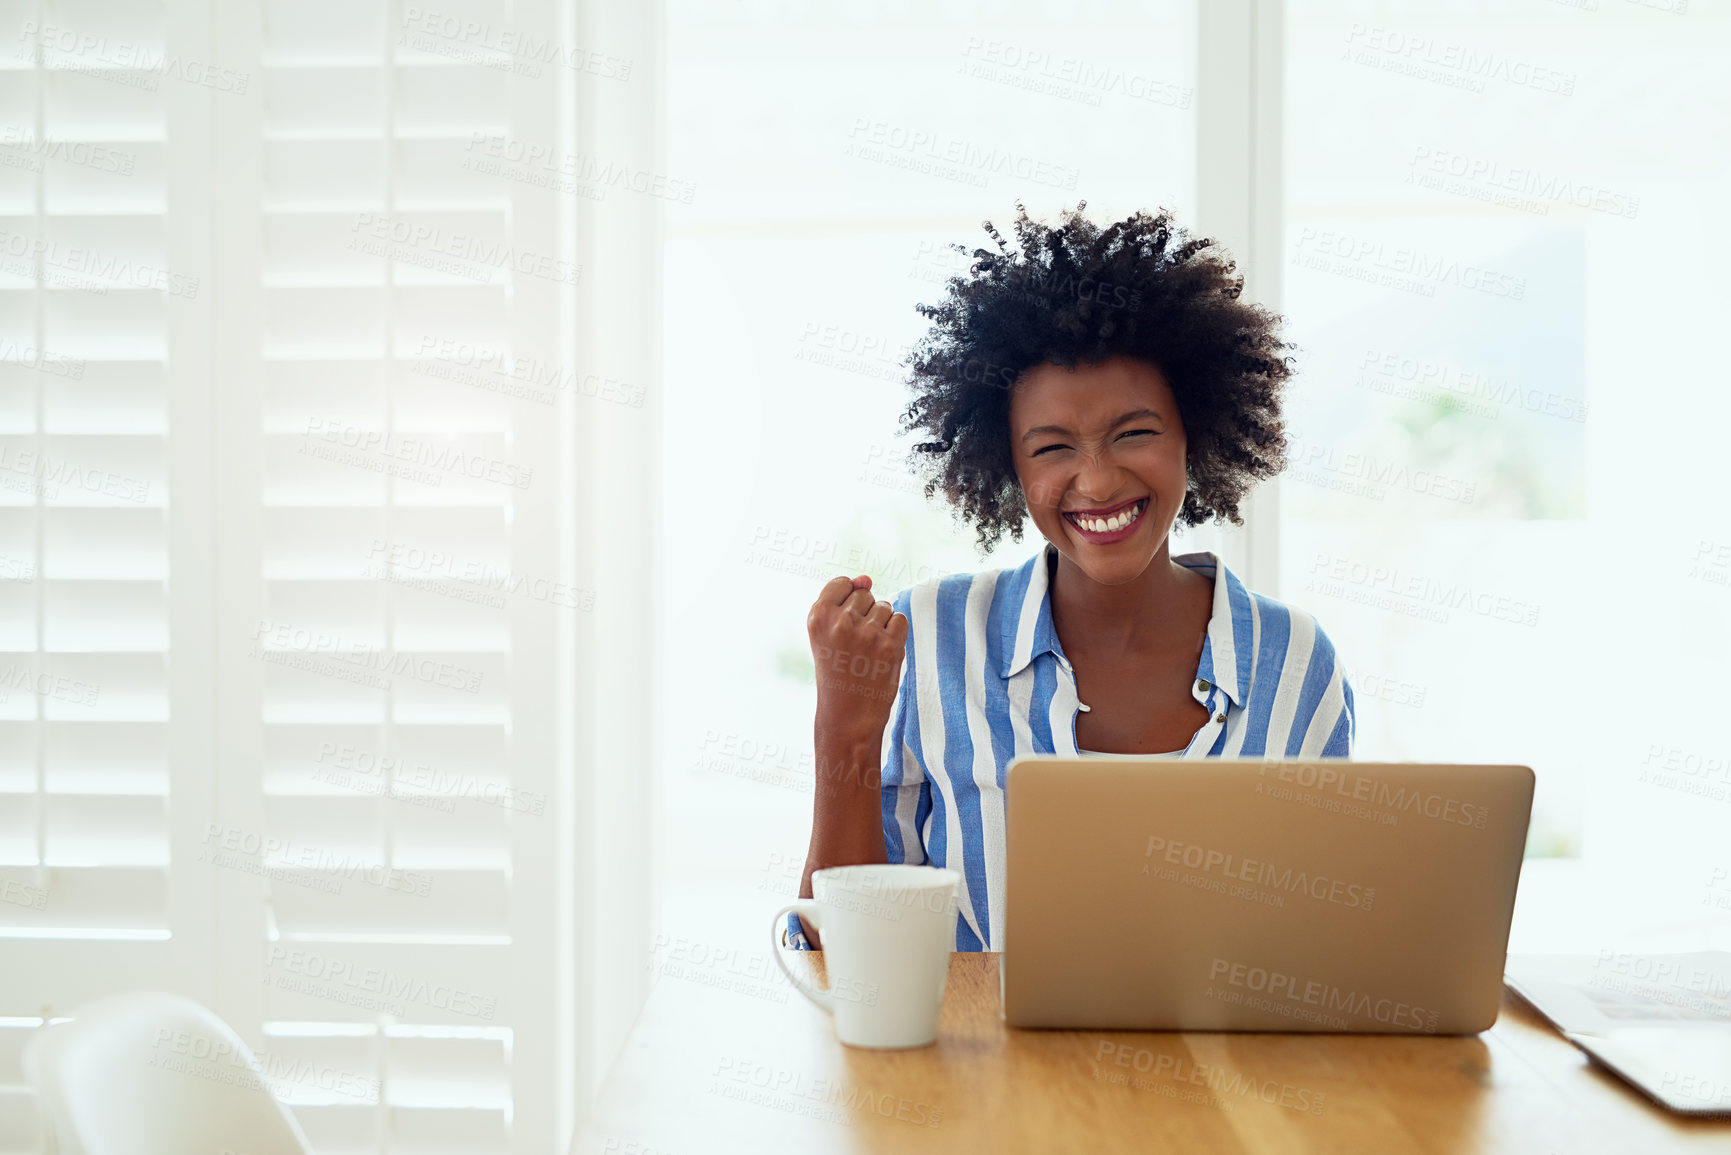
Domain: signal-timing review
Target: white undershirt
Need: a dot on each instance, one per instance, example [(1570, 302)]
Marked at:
[(1110, 754)]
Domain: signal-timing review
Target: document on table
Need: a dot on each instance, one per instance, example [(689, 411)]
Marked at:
[(1661, 1021)]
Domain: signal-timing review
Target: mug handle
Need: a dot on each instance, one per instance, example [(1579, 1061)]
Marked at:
[(808, 912)]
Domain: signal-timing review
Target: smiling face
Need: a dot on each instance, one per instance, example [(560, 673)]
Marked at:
[(1100, 452)]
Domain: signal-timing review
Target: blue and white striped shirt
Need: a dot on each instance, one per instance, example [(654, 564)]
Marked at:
[(985, 680)]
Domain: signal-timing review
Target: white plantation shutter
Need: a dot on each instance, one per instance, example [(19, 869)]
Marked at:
[(388, 742), (104, 530), (298, 481)]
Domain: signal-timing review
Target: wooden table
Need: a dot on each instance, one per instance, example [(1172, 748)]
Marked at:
[(739, 1061)]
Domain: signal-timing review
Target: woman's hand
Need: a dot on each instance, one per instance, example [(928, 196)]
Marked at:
[(857, 643)]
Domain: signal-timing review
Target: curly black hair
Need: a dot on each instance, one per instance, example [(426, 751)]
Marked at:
[(1080, 294)]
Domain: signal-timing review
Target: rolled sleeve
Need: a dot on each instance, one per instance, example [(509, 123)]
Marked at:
[(793, 934), (1323, 725)]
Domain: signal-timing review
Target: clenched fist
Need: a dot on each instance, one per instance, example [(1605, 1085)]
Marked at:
[(857, 643)]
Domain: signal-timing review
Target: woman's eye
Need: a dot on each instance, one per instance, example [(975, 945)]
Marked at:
[(1126, 433)]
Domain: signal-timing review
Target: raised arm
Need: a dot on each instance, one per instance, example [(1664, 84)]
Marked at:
[(857, 645)]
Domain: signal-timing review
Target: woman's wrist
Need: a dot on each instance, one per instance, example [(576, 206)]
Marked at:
[(845, 822), (860, 853), (847, 809), (847, 752)]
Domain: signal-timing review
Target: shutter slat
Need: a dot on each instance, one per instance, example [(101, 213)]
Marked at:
[(64, 974), (464, 986), (129, 899), (365, 897)]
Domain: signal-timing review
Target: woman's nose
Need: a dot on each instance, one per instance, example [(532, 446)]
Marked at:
[(1098, 475)]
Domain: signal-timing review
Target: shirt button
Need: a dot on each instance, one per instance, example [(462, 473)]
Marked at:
[(1201, 685), (1220, 717)]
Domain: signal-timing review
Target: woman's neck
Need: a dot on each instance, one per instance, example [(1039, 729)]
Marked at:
[(1146, 613)]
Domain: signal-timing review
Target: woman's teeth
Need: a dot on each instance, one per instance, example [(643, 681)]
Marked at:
[(1111, 524)]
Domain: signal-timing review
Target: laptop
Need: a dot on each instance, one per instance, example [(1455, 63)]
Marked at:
[(1259, 895), (1660, 1021)]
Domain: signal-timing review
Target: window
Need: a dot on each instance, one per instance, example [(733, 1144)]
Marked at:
[(864, 143), (1501, 265)]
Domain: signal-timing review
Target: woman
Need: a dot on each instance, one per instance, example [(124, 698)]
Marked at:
[(1107, 383)]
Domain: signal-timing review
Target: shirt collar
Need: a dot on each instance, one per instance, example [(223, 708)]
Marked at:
[(1028, 633)]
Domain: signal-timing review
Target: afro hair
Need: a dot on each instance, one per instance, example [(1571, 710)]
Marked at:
[(1076, 295)]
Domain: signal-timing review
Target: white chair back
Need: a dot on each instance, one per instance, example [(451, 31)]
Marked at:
[(153, 1073)]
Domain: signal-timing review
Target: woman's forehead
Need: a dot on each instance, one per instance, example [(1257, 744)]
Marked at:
[(1089, 391)]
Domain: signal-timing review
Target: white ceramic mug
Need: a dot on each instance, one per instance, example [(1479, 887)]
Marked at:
[(887, 930)]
